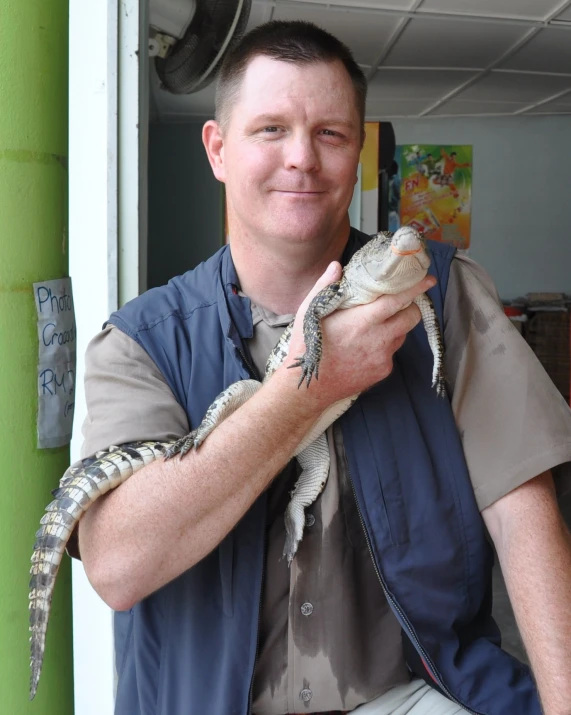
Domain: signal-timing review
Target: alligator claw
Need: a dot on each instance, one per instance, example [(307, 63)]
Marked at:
[(440, 384), (183, 446), (309, 367)]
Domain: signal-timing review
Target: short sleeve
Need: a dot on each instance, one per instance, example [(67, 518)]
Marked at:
[(513, 422), (127, 396)]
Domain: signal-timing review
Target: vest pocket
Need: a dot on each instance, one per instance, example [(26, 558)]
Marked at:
[(226, 562), (395, 513)]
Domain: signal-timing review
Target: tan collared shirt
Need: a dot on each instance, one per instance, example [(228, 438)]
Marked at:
[(326, 629)]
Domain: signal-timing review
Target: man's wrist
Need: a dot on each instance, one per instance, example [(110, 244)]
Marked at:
[(304, 402)]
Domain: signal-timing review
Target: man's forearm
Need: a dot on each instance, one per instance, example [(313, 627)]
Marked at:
[(534, 547), (169, 515)]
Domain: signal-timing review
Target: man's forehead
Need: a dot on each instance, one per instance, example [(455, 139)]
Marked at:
[(266, 73), (270, 86)]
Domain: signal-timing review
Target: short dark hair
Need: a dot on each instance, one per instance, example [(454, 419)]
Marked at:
[(295, 41)]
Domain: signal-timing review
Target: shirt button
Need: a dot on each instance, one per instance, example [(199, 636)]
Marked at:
[(306, 609), (306, 695), (309, 520)]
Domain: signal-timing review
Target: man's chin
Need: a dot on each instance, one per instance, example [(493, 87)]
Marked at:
[(302, 228), (299, 235)]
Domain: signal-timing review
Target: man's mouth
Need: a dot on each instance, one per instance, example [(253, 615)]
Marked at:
[(294, 192)]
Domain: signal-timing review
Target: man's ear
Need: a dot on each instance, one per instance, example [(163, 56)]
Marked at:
[(214, 145)]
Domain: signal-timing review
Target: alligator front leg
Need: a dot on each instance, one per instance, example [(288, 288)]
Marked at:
[(432, 327), (314, 461), (324, 303), (223, 406)]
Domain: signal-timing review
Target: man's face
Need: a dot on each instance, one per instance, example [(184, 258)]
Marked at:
[(290, 151)]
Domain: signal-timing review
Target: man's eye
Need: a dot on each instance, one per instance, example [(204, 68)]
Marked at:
[(271, 130), (329, 132)]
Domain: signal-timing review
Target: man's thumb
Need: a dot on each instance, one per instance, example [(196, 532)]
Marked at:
[(332, 274)]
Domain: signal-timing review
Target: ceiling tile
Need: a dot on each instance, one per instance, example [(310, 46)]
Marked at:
[(365, 32), (453, 43), (551, 108), (548, 51), (515, 87), (530, 9), (564, 99), (565, 15), (419, 84), (383, 108), (459, 107), (561, 104)]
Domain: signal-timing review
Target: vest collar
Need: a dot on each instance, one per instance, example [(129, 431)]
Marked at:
[(234, 310)]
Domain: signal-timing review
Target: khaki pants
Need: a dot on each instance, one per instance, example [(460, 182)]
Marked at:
[(416, 698)]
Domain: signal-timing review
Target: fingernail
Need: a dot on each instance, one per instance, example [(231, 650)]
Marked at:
[(331, 269)]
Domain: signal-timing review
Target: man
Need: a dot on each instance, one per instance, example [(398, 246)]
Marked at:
[(209, 619)]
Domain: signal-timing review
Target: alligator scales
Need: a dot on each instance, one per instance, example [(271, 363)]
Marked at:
[(386, 264)]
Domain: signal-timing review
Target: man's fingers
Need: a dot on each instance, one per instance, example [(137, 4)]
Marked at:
[(389, 305), (332, 274), (401, 300), (403, 320)]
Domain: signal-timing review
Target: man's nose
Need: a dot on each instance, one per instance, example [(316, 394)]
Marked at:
[(301, 153)]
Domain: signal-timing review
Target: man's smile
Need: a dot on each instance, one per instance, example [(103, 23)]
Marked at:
[(299, 193)]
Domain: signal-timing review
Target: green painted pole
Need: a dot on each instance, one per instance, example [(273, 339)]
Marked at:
[(33, 247)]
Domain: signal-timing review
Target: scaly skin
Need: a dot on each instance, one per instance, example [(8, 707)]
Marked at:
[(81, 485)]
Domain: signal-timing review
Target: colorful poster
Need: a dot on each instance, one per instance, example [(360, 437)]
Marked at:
[(435, 191)]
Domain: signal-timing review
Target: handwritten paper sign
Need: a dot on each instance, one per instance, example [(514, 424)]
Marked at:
[(56, 364)]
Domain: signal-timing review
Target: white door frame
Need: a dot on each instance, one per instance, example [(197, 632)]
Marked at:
[(108, 127)]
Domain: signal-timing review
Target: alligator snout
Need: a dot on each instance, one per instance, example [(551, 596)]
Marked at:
[(406, 242)]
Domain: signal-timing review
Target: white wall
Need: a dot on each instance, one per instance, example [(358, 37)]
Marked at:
[(521, 202)]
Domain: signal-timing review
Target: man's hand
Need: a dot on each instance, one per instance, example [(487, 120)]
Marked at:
[(358, 343)]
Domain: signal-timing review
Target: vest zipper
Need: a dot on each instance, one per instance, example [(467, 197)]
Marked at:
[(410, 631), (254, 374), (251, 369)]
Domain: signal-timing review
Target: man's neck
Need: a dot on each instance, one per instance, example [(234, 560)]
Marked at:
[(280, 279)]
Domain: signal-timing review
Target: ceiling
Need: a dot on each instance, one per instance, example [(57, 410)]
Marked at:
[(431, 58)]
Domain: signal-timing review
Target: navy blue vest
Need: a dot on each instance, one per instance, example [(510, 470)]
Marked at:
[(190, 648)]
